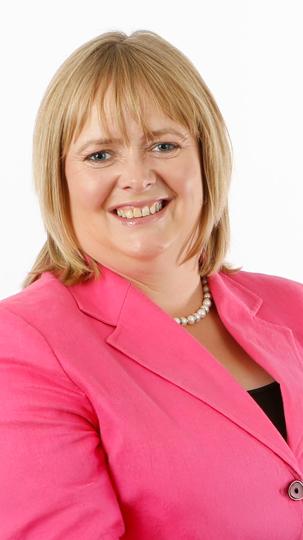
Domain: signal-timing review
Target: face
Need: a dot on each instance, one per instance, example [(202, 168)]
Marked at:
[(103, 176)]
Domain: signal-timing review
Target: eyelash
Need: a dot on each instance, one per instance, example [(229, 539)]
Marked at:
[(90, 156)]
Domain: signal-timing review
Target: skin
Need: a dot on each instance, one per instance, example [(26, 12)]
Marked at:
[(147, 255), (103, 176)]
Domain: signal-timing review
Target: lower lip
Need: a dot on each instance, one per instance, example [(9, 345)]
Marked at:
[(134, 222)]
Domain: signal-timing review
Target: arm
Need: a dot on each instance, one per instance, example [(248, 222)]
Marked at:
[(53, 472)]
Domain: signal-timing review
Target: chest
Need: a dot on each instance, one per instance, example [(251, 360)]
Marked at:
[(213, 336)]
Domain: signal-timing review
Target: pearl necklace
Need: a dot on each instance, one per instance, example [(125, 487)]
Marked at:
[(203, 309)]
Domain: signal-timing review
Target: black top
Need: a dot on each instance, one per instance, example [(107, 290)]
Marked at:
[(270, 400)]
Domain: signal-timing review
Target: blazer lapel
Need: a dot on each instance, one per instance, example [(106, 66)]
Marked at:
[(149, 336)]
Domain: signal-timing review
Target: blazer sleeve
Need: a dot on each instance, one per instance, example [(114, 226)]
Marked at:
[(53, 469)]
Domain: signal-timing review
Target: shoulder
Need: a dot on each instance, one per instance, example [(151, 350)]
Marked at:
[(37, 325), (22, 342), (45, 296), (43, 309), (282, 298), (267, 285)]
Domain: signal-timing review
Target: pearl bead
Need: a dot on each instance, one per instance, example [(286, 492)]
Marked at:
[(202, 311)]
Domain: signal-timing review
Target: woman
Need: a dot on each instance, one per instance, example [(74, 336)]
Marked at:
[(140, 372)]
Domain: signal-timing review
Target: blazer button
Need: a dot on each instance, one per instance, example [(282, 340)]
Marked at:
[(295, 490)]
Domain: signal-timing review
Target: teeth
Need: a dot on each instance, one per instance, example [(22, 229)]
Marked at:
[(140, 212)]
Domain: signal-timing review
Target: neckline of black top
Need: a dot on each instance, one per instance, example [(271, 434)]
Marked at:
[(269, 386)]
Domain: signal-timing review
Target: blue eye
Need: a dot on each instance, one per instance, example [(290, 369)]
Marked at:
[(174, 146), (96, 156)]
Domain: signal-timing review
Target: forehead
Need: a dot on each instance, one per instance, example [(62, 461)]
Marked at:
[(153, 120), (112, 118)]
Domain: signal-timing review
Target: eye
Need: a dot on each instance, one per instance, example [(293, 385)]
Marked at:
[(96, 157), (166, 147)]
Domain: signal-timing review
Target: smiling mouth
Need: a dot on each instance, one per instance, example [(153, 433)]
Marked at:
[(145, 218), (163, 202)]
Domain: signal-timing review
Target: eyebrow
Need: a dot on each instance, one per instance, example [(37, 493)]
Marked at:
[(163, 131)]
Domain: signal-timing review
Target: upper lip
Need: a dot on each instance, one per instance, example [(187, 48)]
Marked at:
[(138, 204)]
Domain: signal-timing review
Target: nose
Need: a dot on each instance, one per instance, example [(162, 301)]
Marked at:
[(136, 175)]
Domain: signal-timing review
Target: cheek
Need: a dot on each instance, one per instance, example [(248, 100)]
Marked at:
[(87, 188), (188, 181)]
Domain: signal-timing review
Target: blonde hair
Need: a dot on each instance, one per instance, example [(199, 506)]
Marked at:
[(145, 61)]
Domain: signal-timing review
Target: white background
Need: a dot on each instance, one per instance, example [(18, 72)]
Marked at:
[(249, 54)]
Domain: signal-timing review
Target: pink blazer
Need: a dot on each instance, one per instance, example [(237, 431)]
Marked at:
[(117, 423)]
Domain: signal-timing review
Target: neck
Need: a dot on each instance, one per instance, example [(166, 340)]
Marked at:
[(177, 290)]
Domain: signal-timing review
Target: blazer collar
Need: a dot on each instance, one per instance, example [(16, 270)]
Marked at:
[(149, 336)]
